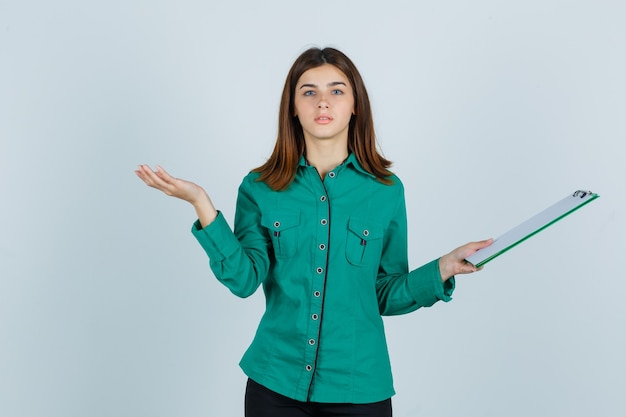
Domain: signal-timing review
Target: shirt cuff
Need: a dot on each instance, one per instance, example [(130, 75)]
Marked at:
[(217, 239), (426, 287)]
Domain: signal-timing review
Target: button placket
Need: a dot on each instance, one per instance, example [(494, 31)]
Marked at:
[(318, 277)]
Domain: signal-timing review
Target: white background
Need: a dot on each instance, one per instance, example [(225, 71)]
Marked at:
[(491, 111)]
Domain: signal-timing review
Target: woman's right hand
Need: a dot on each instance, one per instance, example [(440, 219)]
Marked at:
[(179, 188)]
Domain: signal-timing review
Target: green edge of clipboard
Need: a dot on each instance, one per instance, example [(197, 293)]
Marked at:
[(511, 246)]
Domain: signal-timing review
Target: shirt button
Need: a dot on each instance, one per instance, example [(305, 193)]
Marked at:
[(276, 224), (308, 368), (319, 270), (331, 174), (323, 198), (366, 232), (311, 342), (314, 316), (317, 293), (324, 222), (322, 246)]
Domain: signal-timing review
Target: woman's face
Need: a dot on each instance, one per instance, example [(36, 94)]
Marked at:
[(324, 104)]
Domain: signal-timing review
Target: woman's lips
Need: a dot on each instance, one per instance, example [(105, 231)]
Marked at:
[(323, 119)]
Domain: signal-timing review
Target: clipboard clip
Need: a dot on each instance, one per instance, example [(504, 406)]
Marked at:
[(581, 193)]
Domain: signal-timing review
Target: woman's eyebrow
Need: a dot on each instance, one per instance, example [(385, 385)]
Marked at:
[(333, 84)]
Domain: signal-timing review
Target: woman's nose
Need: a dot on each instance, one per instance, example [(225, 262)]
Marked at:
[(323, 104)]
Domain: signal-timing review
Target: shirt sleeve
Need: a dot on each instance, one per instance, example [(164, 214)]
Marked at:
[(238, 259), (399, 290)]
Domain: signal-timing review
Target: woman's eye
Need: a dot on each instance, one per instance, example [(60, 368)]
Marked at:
[(309, 93), (337, 92)]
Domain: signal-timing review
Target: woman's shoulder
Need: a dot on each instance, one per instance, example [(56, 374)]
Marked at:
[(251, 181), (252, 176), (395, 182)]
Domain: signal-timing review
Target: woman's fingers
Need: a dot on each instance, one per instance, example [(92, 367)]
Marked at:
[(161, 173), (159, 179), (169, 185), (475, 246), (454, 263)]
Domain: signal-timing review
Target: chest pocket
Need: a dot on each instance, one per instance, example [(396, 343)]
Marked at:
[(282, 227), (364, 242)]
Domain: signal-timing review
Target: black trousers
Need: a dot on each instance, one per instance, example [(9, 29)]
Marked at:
[(262, 402)]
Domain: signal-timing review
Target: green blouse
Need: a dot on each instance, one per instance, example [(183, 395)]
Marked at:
[(331, 256)]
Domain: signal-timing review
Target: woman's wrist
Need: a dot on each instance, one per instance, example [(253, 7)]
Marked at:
[(205, 209), (444, 270)]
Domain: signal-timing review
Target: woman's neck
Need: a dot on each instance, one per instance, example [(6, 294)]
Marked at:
[(325, 156)]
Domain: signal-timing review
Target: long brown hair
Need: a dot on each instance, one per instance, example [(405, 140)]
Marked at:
[(280, 169)]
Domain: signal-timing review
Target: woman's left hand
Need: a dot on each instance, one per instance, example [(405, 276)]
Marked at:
[(454, 263)]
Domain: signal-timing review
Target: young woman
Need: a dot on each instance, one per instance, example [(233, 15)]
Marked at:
[(322, 227)]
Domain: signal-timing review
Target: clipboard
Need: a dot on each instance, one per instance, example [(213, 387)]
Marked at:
[(532, 226)]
